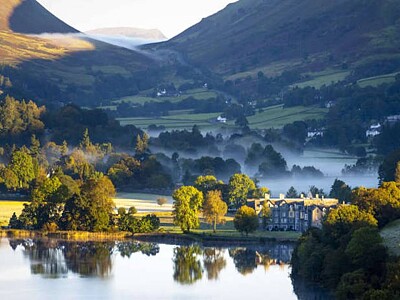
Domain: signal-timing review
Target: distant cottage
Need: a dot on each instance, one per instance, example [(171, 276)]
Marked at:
[(294, 214), (373, 130)]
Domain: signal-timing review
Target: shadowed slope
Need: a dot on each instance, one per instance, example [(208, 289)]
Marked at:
[(32, 18), (254, 33)]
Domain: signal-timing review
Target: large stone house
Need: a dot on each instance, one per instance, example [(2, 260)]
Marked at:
[(294, 214)]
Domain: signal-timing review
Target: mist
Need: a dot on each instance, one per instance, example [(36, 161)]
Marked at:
[(122, 41)]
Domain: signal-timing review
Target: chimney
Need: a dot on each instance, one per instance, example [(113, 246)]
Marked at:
[(267, 196), (281, 196), (317, 196), (302, 196)]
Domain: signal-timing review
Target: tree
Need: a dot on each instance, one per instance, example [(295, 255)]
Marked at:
[(22, 166), (346, 218), (214, 208), (187, 203), (161, 201), (260, 192), (207, 183), (397, 173), (265, 213), (240, 185), (85, 143), (142, 144), (246, 220), (93, 208), (340, 191), (292, 193)]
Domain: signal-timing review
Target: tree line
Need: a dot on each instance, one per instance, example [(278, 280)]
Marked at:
[(347, 255)]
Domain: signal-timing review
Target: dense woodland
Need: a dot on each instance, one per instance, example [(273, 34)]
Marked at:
[(347, 255)]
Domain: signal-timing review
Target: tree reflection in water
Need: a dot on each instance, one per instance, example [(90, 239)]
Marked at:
[(187, 265), (52, 258), (214, 262), (244, 260)]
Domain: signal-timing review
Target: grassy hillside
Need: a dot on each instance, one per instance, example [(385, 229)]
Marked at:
[(309, 35), (271, 117), (391, 237), (62, 67)]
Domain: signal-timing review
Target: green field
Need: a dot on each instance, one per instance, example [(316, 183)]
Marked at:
[(277, 116), (326, 77), (271, 117), (391, 237), (377, 80), (199, 94), (180, 121), (7, 208)]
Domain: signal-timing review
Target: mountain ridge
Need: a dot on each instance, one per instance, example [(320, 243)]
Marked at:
[(36, 19), (131, 32), (253, 33)]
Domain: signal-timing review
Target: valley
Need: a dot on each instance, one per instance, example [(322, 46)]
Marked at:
[(266, 123)]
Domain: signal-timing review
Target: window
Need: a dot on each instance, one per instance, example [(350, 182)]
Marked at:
[(283, 214), (291, 214), (305, 216)]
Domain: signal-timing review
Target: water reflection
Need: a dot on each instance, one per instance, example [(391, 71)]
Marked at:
[(214, 262), (52, 258), (187, 265), (173, 267)]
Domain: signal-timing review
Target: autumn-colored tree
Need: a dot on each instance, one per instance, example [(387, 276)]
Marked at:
[(187, 203), (214, 209), (346, 218), (260, 192), (246, 220), (161, 201), (265, 213), (383, 202)]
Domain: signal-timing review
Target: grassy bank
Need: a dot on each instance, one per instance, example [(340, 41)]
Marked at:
[(225, 232), (391, 237), (66, 235)]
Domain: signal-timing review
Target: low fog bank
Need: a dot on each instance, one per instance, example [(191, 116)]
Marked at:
[(122, 41), (282, 185), (331, 162)]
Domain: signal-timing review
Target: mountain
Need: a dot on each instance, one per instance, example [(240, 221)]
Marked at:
[(130, 32), (278, 35), (45, 59), (28, 16)]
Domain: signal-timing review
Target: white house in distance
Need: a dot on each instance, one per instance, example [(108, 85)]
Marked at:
[(393, 119), (374, 130), (221, 119), (315, 133)]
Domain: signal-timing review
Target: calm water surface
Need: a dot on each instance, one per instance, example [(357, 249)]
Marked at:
[(52, 269)]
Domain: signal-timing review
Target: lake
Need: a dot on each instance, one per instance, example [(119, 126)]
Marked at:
[(54, 269)]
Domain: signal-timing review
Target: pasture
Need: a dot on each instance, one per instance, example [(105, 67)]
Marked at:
[(391, 237), (377, 80), (7, 208)]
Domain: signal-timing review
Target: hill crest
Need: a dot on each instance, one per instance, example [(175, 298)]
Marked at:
[(30, 17)]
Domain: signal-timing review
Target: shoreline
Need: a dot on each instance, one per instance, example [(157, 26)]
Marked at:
[(155, 237)]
